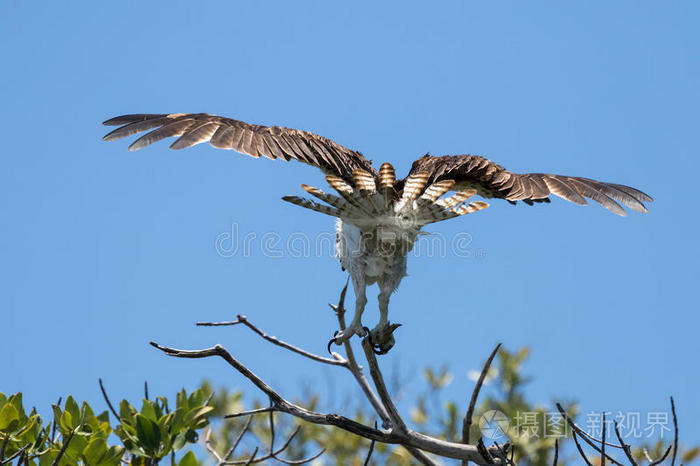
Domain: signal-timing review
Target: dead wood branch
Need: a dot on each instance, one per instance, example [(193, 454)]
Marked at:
[(394, 430)]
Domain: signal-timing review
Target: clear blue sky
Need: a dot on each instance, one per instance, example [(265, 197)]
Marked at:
[(103, 250)]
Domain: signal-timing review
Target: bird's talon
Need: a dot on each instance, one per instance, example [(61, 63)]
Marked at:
[(330, 343), (381, 338)]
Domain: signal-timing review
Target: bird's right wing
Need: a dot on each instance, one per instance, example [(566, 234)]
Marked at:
[(255, 140)]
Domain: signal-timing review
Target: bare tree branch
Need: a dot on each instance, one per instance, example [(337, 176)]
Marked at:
[(274, 340), (467, 423), (587, 438), (675, 432), (580, 450), (602, 444), (394, 436), (663, 457), (378, 379), (249, 412), (109, 403), (63, 449), (237, 440), (625, 447)]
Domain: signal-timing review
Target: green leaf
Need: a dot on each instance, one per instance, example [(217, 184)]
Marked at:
[(9, 417), (176, 420), (179, 441), (127, 412), (30, 423), (112, 457), (75, 448), (16, 400), (94, 451), (148, 433), (188, 460), (148, 410), (104, 416), (194, 416), (66, 423), (74, 410)]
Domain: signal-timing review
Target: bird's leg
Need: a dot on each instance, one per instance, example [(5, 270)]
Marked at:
[(381, 336), (355, 326)]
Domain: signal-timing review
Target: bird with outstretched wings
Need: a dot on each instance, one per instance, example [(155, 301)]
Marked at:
[(379, 216)]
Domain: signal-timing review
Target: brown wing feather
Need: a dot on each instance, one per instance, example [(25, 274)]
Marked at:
[(255, 140), (492, 180)]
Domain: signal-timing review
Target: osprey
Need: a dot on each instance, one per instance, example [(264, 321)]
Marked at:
[(378, 216)]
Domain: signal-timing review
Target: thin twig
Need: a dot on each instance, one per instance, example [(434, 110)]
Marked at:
[(556, 452), (109, 403), (625, 447), (369, 452), (378, 379), (210, 448), (467, 422), (481, 448), (63, 449), (237, 441), (660, 460), (586, 436), (249, 412), (272, 431), (53, 424), (274, 340), (15, 455), (252, 457), (145, 389), (675, 432), (580, 450), (4, 444), (602, 444)]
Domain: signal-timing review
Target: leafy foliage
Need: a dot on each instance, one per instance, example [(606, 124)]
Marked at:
[(156, 432), (77, 436)]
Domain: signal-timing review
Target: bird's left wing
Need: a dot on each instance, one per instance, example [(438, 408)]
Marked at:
[(492, 180), (255, 140)]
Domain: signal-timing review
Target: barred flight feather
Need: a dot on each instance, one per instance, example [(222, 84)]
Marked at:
[(387, 180), (387, 176), (308, 204), (341, 204), (436, 190), (455, 199), (365, 181), (414, 186), (346, 191)]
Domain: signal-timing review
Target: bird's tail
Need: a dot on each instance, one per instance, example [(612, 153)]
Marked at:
[(417, 202)]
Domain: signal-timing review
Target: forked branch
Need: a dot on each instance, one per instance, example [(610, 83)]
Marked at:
[(394, 429)]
